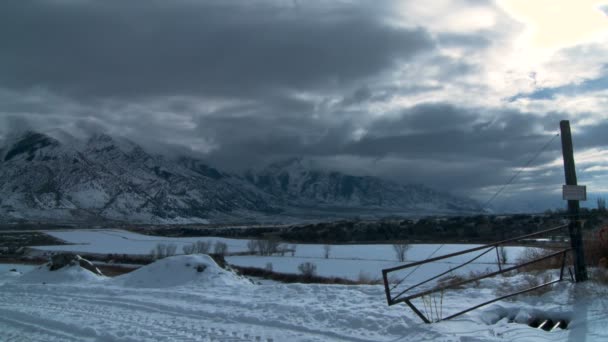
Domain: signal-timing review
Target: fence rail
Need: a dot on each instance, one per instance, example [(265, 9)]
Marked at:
[(396, 296)]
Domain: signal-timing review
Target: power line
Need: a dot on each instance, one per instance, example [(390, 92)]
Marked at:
[(520, 171), (543, 148)]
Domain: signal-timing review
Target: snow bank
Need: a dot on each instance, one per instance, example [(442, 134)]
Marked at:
[(67, 274), (180, 270), (9, 276)]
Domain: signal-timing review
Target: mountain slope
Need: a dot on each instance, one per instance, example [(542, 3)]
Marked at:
[(57, 177), (298, 184), (40, 177)]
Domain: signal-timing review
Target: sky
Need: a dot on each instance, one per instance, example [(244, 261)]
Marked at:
[(458, 95)]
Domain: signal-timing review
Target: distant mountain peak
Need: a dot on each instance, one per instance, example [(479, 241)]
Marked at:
[(103, 142), (293, 162), (302, 183), (27, 144)]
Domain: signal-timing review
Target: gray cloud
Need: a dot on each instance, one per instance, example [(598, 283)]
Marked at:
[(430, 131), (132, 48), (246, 83)]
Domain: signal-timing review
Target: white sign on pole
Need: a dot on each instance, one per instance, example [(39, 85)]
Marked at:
[(574, 192)]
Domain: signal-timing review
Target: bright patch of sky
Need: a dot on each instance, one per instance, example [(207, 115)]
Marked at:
[(556, 24)]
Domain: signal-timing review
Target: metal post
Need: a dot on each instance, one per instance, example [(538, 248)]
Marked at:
[(580, 270)]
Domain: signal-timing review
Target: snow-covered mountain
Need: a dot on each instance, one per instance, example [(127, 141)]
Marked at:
[(299, 183), (58, 177), (43, 177)]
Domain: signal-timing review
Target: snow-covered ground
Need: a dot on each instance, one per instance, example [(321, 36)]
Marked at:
[(19, 267), (116, 241), (178, 303), (346, 261)]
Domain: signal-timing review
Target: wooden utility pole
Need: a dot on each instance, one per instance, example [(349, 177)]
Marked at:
[(576, 241)]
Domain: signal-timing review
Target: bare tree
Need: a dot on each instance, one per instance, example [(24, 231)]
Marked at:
[(503, 254), (400, 250), (170, 250), (252, 246), (326, 251), (308, 269), (162, 251), (293, 249), (268, 246), (200, 247), (282, 249), (220, 248), (601, 204), (189, 249), (203, 247)]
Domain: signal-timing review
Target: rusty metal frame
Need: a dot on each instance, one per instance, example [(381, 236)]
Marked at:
[(401, 297)]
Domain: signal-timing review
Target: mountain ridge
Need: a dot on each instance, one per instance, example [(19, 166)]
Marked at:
[(107, 178)]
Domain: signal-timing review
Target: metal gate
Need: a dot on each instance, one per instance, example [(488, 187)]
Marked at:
[(397, 292)]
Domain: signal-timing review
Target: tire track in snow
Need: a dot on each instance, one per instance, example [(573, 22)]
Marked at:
[(150, 327), (42, 329), (152, 320), (137, 313)]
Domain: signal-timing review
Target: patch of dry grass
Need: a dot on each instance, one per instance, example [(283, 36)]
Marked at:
[(530, 280), (530, 254)]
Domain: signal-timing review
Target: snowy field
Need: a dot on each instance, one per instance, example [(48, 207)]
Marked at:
[(346, 261), (19, 267), (170, 301)]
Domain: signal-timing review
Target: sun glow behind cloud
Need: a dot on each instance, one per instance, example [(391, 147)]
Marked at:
[(555, 24)]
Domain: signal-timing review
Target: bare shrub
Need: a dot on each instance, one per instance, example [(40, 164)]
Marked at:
[(308, 269), (433, 306), (220, 248), (451, 281), (530, 254), (252, 246), (600, 275), (400, 250), (162, 251), (603, 263), (596, 249), (199, 247), (158, 252), (601, 204), (189, 249), (504, 257), (365, 278), (293, 249), (507, 286), (267, 246), (476, 274), (203, 247), (326, 251), (170, 250)]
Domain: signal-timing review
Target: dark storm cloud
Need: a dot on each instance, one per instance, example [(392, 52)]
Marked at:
[(593, 136), (447, 132), (127, 48), (430, 131)]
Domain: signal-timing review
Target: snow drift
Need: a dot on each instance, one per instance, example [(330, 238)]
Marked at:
[(198, 270), (67, 274)]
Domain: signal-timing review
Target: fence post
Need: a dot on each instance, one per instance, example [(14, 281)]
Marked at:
[(576, 241)]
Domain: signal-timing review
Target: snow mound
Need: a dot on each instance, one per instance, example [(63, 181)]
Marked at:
[(67, 274), (181, 270), (9, 276)]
